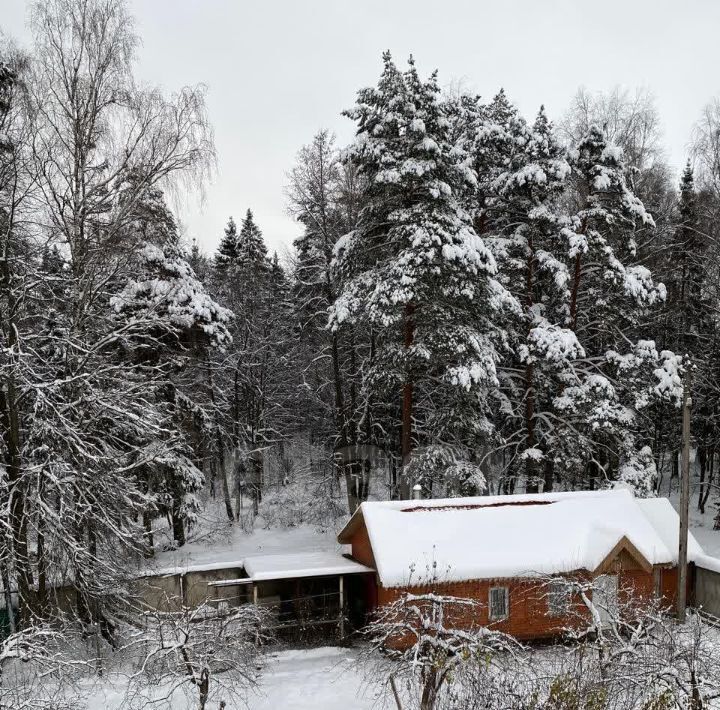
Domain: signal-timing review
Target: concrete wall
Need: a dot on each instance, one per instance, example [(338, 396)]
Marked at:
[(170, 592), (707, 590)]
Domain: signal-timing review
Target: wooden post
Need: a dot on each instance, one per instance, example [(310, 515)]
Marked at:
[(657, 582), (684, 501), (342, 607), (255, 594)]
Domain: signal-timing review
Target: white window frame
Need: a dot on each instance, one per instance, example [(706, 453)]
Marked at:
[(506, 594), (558, 598)]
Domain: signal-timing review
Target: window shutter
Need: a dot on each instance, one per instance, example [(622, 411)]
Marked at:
[(498, 603)]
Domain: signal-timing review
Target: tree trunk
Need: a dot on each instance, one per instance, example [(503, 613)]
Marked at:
[(341, 422), (531, 480), (203, 688), (256, 462), (702, 457), (549, 474), (10, 427), (576, 281), (42, 595), (178, 526), (429, 692), (710, 478), (675, 473), (223, 479), (220, 445), (149, 539), (407, 399)]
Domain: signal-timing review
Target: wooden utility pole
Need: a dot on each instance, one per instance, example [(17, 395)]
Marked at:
[(684, 500)]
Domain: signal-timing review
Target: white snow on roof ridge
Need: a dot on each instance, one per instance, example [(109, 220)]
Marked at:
[(442, 539), (496, 500)]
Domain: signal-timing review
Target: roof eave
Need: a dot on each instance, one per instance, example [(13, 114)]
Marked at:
[(344, 537)]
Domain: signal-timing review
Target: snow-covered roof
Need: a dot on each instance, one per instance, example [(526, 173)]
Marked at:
[(666, 522), (301, 564), (263, 568), (457, 539)]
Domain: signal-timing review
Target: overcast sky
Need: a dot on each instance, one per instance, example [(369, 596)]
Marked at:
[(279, 71)]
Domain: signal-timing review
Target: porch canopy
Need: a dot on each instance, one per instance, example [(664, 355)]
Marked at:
[(295, 565)]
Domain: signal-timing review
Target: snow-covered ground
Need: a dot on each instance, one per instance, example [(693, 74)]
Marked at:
[(701, 525), (315, 679), (325, 678), (215, 543)]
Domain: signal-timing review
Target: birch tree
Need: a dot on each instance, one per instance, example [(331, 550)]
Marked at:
[(83, 411)]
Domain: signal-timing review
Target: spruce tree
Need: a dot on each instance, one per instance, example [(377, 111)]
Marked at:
[(251, 250), (228, 251), (180, 321)]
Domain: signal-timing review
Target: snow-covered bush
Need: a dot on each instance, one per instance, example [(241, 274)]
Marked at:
[(308, 501), (445, 472), (206, 652), (433, 654)]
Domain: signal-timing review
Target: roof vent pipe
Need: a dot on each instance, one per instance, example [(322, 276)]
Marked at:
[(417, 492)]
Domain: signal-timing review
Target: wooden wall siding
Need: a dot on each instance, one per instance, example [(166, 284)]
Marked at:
[(361, 548)]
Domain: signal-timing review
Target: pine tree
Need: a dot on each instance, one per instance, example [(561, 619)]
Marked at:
[(416, 270), (524, 220), (618, 378)]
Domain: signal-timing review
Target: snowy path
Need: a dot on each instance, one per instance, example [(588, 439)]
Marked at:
[(313, 679), (323, 678)]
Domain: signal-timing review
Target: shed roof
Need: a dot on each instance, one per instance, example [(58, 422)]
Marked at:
[(301, 564), (457, 539), (263, 568)]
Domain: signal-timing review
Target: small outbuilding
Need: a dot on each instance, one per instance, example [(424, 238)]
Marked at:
[(305, 592), (495, 549)]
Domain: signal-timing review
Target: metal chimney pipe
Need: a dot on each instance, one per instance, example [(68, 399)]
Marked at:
[(417, 492)]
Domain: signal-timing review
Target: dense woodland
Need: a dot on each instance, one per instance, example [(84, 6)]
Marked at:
[(480, 300)]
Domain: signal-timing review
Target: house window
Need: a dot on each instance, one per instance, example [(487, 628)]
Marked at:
[(498, 603), (558, 598)]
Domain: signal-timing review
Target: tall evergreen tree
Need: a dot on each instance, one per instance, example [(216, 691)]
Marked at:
[(415, 268), (228, 250), (181, 320), (524, 219), (251, 249), (609, 292)]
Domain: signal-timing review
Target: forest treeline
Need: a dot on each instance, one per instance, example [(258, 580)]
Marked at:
[(491, 301)]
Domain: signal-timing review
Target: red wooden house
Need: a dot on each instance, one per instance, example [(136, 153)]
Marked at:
[(495, 549)]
